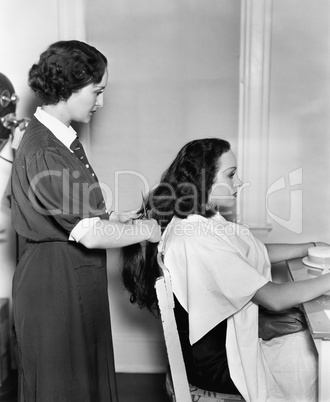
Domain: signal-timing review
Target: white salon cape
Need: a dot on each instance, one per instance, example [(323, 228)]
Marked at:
[(216, 268)]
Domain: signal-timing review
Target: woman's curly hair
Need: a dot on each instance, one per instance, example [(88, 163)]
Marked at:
[(183, 190), (64, 68)]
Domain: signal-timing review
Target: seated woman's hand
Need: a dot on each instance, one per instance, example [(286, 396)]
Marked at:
[(321, 244)]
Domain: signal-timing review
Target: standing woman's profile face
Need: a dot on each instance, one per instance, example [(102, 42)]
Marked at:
[(226, 185), (84, 103)]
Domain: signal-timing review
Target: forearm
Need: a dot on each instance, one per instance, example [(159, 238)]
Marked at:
[(280, 252), (112, 234), (277, 297), (5, 171), (6, 160)]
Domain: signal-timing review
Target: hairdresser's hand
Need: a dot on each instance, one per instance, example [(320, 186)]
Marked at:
[(124, 217), (154, 230), (151, 228)]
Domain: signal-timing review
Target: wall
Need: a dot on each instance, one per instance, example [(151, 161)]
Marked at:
[(299, 122), (25, 34), (174, 68), (19, 49)]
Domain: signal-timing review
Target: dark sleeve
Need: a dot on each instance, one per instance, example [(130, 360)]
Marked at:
[(60, 187)]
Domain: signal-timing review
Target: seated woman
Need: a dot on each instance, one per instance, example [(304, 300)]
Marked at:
[(221, 274)]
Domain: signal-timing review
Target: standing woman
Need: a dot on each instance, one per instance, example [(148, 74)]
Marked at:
[(61, 307)]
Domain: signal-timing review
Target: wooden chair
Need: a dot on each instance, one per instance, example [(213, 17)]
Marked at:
[(177, 385)]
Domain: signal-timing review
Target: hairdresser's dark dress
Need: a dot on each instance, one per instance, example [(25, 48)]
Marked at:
[(61, 310)]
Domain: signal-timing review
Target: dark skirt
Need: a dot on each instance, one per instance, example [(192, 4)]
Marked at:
[(62, 323), (206, 361)]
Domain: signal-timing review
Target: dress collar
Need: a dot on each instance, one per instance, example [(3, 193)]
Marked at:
[(63, 133)]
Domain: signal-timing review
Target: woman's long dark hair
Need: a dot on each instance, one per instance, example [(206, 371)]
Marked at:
[(183, 190)]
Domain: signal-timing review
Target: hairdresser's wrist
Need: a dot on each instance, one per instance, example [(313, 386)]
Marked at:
[(154, 230)]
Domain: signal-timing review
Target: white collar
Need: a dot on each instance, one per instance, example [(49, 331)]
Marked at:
[(63, 133)]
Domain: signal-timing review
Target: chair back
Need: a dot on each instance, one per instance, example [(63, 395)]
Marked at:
[(165, 298), (178, 386)]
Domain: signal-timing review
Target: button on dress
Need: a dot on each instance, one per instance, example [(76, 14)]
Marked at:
[(60, 291)]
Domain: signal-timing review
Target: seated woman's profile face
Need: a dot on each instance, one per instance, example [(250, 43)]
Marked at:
[(225, 188)]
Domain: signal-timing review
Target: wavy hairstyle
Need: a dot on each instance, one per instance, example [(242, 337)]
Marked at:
[(64, 68), (183, 190)]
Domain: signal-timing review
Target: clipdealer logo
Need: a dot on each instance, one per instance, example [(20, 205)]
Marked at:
[(294, 223), (77, 193)]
